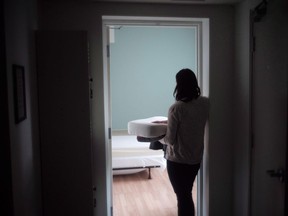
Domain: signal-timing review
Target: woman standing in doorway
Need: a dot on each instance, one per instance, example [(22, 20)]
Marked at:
[(185, 138)]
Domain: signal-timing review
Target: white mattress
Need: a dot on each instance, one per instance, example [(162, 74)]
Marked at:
[(145, 127), (128, 152)]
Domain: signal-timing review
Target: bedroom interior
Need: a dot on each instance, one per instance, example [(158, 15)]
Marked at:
[(133, 192), (152, 57), (135, 195)]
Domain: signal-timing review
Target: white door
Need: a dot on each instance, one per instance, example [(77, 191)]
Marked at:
[(64, 123), (270, 111)]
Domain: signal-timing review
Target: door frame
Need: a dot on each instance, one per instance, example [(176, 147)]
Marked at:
[(202, 26), (5, 148)]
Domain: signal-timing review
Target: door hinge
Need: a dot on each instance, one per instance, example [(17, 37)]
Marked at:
[(94, 198), (88, 50), (109, 133), (254, 44), (91, 89), (108, 51), (91, 93), (94, 203)]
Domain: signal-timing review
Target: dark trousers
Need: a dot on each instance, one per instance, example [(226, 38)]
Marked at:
[(182, 177)]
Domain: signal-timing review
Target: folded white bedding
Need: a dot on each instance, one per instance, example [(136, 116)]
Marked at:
[(127, 152), (145, 127)]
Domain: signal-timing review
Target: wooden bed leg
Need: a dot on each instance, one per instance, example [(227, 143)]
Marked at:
[(149, 175)]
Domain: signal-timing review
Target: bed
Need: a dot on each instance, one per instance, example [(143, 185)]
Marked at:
[(131, 156)]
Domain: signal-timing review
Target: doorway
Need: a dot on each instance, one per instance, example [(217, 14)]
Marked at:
[(116, 83)]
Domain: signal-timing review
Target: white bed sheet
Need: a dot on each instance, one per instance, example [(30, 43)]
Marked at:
[(128, 152), (145, 127)]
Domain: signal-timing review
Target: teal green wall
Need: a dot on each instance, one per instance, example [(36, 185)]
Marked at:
[(143, 65)]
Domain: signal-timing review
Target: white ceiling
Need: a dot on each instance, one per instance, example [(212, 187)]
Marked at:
[(176, 1)]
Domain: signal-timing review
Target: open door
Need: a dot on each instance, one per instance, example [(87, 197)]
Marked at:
[(269, 110), (64, 123)]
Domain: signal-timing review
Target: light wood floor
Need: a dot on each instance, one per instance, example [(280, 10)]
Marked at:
[(136, 195)]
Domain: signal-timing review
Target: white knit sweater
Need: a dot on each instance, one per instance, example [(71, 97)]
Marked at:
[(185, 131)]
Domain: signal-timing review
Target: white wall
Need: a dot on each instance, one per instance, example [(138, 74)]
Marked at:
[(20, 22), (241, 106), (75, 16), (145, 71)]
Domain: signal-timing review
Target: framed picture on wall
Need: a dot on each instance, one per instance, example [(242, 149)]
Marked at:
[(19, 93)]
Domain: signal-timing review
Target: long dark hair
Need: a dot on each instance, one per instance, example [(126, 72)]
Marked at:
[(187, 87)]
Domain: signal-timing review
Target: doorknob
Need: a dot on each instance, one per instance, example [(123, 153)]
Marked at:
[(279, 173)]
